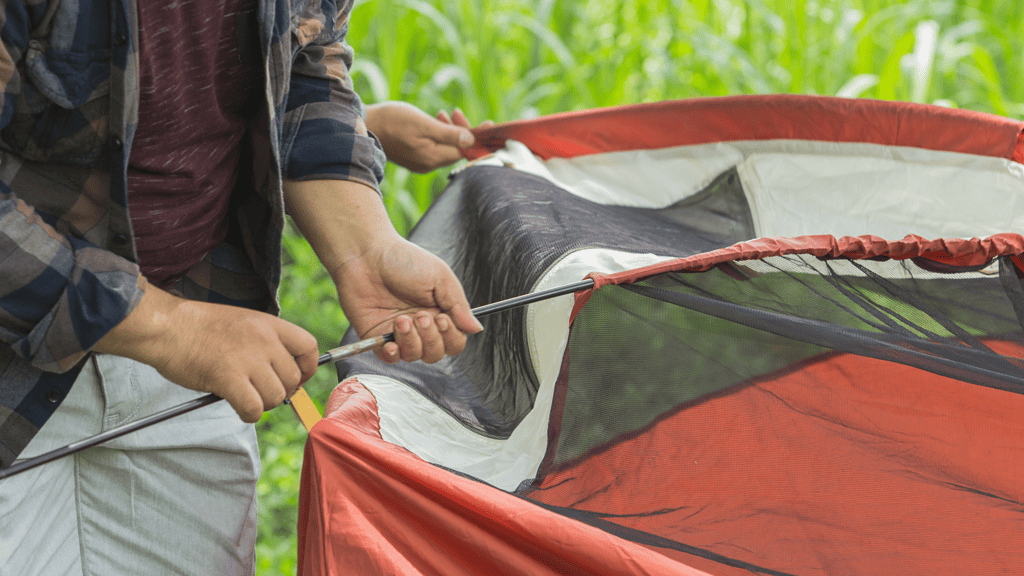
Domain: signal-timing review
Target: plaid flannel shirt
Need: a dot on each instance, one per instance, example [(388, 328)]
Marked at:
[(69, 72)]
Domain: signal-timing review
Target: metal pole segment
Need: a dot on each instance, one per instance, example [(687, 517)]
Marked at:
[(116, 432), (347, 350), (329, 357), (525, 299)]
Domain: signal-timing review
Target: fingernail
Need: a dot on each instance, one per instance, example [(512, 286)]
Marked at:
[(466, 138), (404, 325), (442, 325), (423, 321), (478, 324)]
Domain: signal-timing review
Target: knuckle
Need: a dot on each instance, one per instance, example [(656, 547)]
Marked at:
[(309, 341), (278, 397), (295, 377), (250, 411)]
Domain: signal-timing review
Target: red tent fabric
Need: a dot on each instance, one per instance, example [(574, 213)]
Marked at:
[(923, 483), (813, 458)]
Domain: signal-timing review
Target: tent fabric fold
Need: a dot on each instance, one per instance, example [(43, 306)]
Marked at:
[(405, 516)]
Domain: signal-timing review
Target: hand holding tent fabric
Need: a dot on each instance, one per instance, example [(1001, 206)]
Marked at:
[(416, 141)]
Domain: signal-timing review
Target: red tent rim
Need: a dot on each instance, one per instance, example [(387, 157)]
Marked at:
[(759, 117)]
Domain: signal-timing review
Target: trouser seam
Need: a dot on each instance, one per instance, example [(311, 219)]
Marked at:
[(82, 563)]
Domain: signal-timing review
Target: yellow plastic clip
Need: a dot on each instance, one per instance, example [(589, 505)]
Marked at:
[(304, 408)]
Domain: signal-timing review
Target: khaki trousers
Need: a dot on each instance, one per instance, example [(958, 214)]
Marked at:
[(176, 498)]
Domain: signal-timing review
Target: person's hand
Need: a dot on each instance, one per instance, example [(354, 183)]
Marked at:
[(385, 283), (251, 359), (413, 139), (399, 287)]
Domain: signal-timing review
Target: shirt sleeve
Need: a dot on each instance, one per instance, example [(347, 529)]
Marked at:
[(58, 294), (325, 135)]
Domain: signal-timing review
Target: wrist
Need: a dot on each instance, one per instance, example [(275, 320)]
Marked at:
[(144, 333), (341, 220), (365, 263), (380, 121)]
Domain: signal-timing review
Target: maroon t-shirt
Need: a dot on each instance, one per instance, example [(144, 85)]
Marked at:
[(197, 82)]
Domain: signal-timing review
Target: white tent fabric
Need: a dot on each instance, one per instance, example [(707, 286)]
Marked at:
[(795, 187)]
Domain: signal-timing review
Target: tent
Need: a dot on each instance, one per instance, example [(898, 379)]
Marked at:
[(803, 354)]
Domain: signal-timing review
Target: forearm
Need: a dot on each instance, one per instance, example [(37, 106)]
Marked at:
[(342, 220)]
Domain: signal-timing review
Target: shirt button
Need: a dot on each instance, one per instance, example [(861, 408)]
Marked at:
[(120, 238), (53, 396), (116, 142), (120, 39)]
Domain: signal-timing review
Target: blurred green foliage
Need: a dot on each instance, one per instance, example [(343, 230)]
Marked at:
[(511, 59)]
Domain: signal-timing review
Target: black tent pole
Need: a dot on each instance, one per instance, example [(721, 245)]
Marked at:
[(326, 358), (479, 312)]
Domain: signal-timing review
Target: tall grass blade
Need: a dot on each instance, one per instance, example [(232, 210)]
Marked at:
[(926, 39)]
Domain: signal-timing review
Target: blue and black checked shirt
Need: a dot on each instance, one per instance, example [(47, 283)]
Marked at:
[(69, 72)]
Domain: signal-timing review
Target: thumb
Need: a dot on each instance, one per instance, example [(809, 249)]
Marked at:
[(451, 299), (301, 345), (452, 135)]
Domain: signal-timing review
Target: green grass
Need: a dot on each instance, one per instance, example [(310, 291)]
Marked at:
[(511, 59)]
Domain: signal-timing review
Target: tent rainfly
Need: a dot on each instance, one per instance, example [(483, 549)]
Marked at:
[(803, 355)]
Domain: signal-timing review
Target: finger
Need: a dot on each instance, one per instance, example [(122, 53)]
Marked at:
[(433, 344), (410, 346), (388, 353), (443, 117), (287, 370), (459, 118), (302, 346), (451, 134), (454, 340), (452, 300), (244, 398), (268, 385)]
